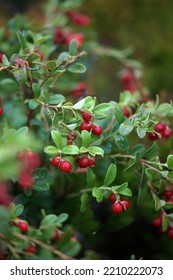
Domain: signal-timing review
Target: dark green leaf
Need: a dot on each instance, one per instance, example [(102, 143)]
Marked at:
[(56, 99), (151, 152), (18, 209), (33, 104), (164, 223), (36, 90), (91, 177), (156, 201), (73, 46), (126, 127), (51, 66), (169, 161), (117, 111), (84, 201)]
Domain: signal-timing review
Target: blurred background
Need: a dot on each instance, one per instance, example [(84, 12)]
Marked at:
[(145, 26)]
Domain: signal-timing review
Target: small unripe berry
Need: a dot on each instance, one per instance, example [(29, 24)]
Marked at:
[(126, 204), (56, 161), (96, 130), (84, 162), (65, 166), (31, 249), (23, 226), (112, 197), (85, 126), (86, 116), (117, 208)]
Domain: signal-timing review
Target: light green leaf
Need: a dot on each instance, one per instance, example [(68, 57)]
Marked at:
[(169, 161), (77, 68), (110, 174), (57, 138), (98, 194), (51, 150), (70, 150)]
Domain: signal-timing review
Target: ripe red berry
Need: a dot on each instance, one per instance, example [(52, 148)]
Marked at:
[(86, 116), (167, 133), (168, 193), (1, 111), (25, 180), (85, 126), (65, 166), (170, 200), (73, 134), (31, 249), (126, 111), (126, 204), (96, 130), (112, 197), (23, 226), (170, 233), (56, 236), (117, 208), (84, 162), (69, 143), (56, 161), (159, 127), (157, 222), (152, 136), (92, 161)]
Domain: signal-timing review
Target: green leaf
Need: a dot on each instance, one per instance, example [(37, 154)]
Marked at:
[(110, 174), (101, 108), (70, 150), (141, 132), (117, 112), (91, 177), (20, 75), (164, 109), (84, 201), (56, 99), (164, 223), (73, 47), (51, 66), (33, 104), (41, 185), (169, 161), (126, 127), (51, 150), (151, 152), (77, 68), (18, 209), (94, 150), (120, 188), (126, 192), (22, 38), (5, 60), (49, 220), (122, 142), (86, 138), (57, 138), (36, 90), (62, 218), (62, 57), (98, 194), (156, 201), (79, 104)]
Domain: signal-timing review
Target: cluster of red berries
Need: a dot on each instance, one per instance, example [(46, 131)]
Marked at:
[(62, 164), (85, 162), (118, 205), (63, 36), (88, 125), (29, 161), (77, 18), (1, 110), (71, 138), (162, 130), (128, 81)]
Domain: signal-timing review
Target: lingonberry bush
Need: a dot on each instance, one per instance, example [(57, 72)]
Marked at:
[(64, 157)]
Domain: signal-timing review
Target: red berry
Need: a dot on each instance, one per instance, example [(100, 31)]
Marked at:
[(170, 200), (117, 208), (152, 136), (73, 134), (23, 227), (56, 161), (127, 77), (41, 55), (159, 127), (56, 236), (78, 37), (1, 55), (84, 162), (96, 130), (112, 197), (126, 111), (31, 249), (86, 116), (168, 194), (1, 111), (126, 204), (25, 180), (157, 222), (170, 233), (69, 143), (92, 161), (167, 132), (85, 126), (65, 166)]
